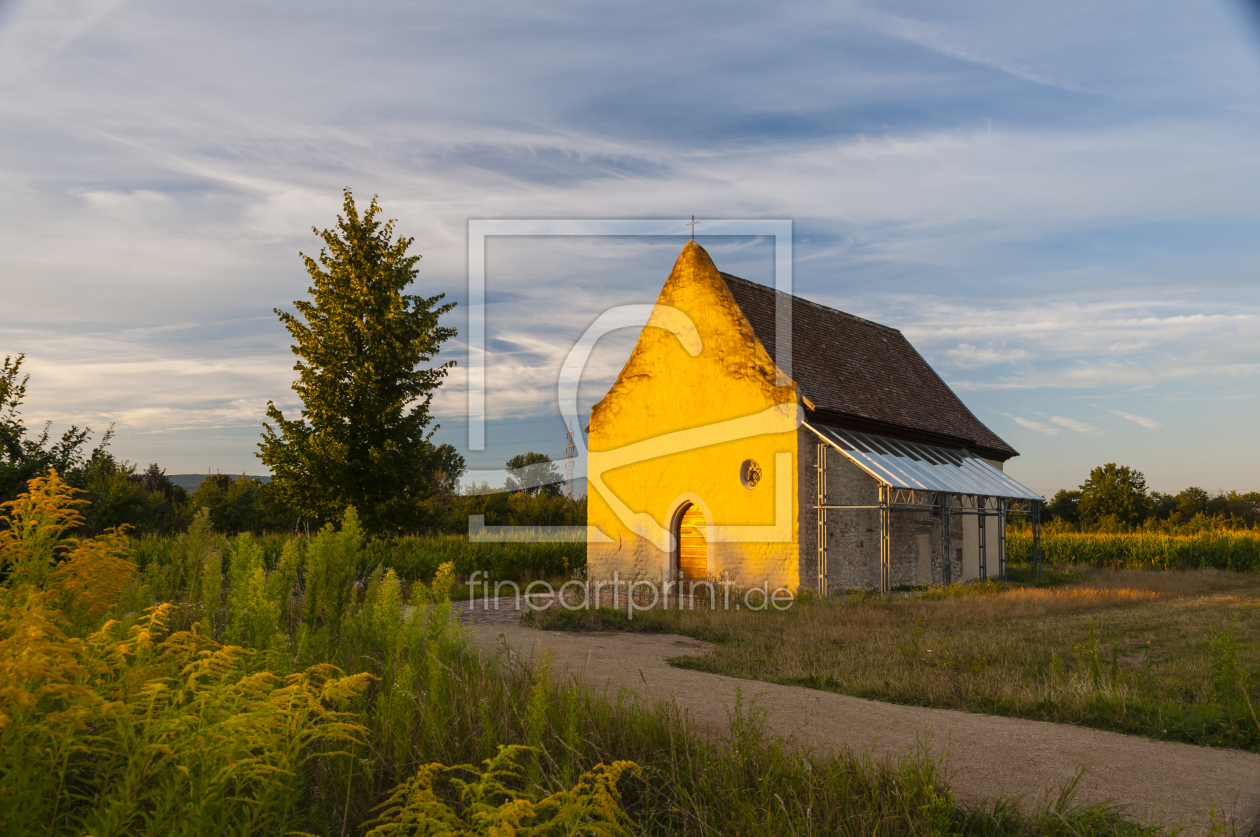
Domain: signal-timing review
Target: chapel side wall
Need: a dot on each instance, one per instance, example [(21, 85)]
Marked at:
[(852, 534), (956, 536), (807, 515), (918, 547), (853, 548), (612, 551), (971, 544)]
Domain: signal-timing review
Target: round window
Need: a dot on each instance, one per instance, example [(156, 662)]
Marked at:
[(750, 473)]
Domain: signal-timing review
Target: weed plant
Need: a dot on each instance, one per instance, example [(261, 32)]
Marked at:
[(212, 693)]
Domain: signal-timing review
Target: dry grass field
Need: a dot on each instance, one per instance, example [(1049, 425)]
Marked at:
[(1170, 655)]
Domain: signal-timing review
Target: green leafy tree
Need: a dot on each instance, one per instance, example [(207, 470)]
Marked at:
[(1245, 508), (24, 457), (535, 473), (241, 504), (119, 496), (1114, 495), (363, 438), (1063, 506), (1163, 506), (154, 480), (449, 467), (1192, 501)]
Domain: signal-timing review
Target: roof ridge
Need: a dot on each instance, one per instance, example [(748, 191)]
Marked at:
[(796, 298), (852, 366)]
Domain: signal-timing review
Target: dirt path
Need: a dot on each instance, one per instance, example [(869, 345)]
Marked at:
[(985, 756)]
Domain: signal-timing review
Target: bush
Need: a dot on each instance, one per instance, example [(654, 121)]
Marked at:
[(242, 504)]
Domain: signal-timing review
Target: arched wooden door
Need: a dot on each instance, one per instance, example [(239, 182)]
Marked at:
[(692, 561)]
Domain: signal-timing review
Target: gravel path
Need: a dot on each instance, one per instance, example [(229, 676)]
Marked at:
[(985, 756)]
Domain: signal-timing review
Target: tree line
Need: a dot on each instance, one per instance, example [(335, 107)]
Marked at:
[(120, 494), (1115, 498), (366, 376)]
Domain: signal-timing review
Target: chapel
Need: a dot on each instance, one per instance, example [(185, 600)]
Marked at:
[(833, 459)]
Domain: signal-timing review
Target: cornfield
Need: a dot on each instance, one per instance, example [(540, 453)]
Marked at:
[(1221, 549)]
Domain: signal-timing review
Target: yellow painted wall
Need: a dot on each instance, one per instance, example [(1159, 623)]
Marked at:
[(697, 398)]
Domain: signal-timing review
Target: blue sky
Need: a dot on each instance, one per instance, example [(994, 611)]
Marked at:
[(1058, 204)]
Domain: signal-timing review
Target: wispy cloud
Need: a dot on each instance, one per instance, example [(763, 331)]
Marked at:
[(966, 355), (1078, 426), (1069, 345), (962, 44), (1033, 425), (1144, 421)]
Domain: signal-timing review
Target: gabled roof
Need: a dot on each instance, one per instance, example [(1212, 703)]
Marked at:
[(864, 375)]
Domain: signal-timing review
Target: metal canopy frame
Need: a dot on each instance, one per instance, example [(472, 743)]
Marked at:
[(917, 477)]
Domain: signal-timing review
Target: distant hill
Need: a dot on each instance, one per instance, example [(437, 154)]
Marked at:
[(191, 482)]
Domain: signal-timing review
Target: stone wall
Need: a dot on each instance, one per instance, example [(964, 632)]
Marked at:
[(853, 549)]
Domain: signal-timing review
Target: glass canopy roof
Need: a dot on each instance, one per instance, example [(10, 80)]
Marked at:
[(901, 464)]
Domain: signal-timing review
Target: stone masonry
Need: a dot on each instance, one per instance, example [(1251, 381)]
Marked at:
[(917, 547)]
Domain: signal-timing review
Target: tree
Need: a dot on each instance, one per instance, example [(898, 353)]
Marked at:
[(117, 495), (1244, 507), (241, 504), (23, 458), (1114, 492), (154, 480), (1063, 506), (449, 467), (1192, 501), (363, 438), (1163, 506), (535, 474)]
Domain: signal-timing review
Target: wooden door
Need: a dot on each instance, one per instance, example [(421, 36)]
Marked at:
[(693, 549)]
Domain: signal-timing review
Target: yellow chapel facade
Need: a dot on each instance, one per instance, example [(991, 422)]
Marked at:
[(860, 469)]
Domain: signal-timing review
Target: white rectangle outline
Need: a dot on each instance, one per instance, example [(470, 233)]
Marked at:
[(479, 228)]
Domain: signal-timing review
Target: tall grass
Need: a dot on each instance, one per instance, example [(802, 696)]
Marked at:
[(244, 703), (411, 557), (1220, 549)]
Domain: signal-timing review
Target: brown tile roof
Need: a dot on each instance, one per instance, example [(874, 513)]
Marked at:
[(864, 374)]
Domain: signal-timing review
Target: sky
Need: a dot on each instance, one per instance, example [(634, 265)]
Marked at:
[(1057, 203)]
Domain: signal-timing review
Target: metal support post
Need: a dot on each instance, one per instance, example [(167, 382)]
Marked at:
[(822, 520), (980, 525), (947, 566), (885, 548), (1002, 539), (1036, 527)]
